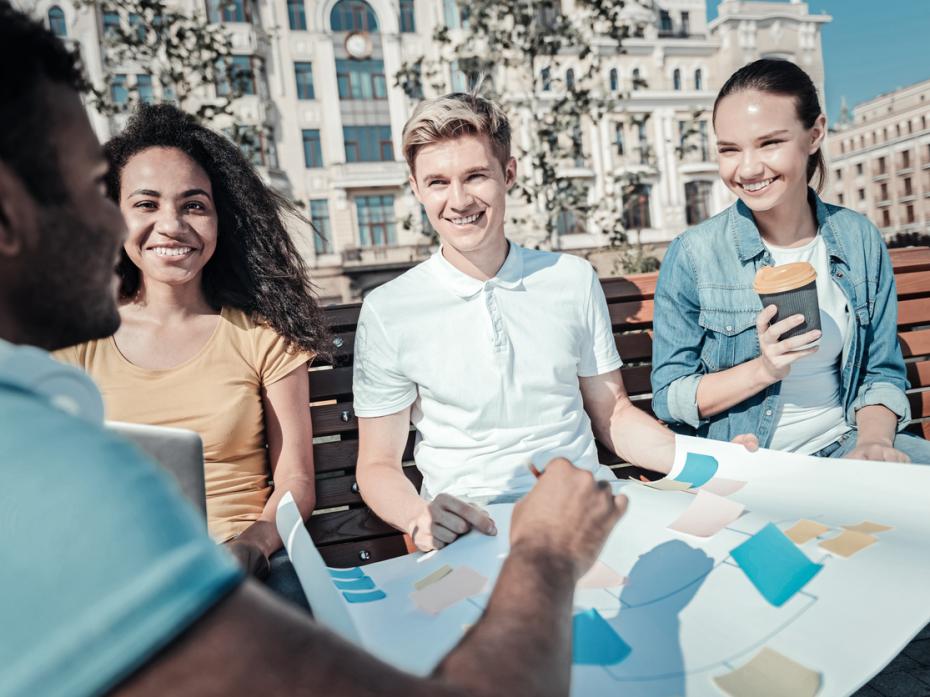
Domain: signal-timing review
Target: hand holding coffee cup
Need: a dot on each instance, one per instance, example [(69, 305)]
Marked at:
[(789, 324)]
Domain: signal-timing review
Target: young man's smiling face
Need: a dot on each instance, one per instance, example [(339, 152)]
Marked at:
[(463, 188)]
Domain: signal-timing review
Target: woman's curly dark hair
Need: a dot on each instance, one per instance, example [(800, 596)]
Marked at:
[(256, 267)]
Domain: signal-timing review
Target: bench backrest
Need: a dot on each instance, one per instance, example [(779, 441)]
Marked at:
[(347, 533)]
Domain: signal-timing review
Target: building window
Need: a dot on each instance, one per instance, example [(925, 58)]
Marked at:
[(859, 169), (897, 130), (361, 79), (636, 208), (296, 15), (910, 127), (642, 143), (368, 143), (319, 218), (698, 79), (665, 23), (838, 173), (56, 22), (144, 88), (137, 24), (884, 196), (697, 201), (352, 16), (614, 80), (637, 79), (910, 213), (886, 218), (226, 11), (881, 165), (237, 72), (923, 123), (618, 138), (119, 92), (676, 80), (905, 159), (567, 223), (111, 24), (685, 23), (375, 221), (303, 72), (570, 79), (408, 24), (839, 198), (862, 194), (908, 187), (546, 77), (313, 153)]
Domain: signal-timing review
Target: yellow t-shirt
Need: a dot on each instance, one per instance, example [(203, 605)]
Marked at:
[(217, 393)]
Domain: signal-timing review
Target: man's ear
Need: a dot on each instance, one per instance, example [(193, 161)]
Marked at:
[(510, 173), (18, 213), (413, 187)]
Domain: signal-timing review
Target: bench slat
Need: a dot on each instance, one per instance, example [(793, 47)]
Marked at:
[(339, 491), (351, 524), (918, 374)]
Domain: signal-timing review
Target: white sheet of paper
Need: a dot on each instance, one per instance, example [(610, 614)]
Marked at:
[(329, 608)]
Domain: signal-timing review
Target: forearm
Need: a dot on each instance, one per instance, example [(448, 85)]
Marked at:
[(639, 439), (532, 601), (388, 492), (876, 424), (263, 533), (723, 390)]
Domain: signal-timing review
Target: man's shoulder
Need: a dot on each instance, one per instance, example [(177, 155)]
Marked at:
[(555, 266), (412, 281)]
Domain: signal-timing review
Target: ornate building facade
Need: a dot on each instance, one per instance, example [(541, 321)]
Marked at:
[(321, 84)]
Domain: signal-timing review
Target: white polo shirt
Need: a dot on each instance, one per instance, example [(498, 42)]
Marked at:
[(491, 368)]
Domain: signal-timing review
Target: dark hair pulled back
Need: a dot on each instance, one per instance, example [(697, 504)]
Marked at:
[(782, 77)]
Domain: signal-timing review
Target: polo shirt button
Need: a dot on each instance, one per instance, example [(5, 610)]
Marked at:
[(729, 327), (768, 412)]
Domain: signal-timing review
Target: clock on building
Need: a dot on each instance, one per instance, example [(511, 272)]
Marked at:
[(359, 45)]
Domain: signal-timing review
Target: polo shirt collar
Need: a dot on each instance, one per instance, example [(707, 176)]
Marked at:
[(509, 276)]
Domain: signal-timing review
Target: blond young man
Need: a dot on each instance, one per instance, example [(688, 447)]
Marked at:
[(503, 356)]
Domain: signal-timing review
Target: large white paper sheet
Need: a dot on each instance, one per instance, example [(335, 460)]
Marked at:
[(688, 611)]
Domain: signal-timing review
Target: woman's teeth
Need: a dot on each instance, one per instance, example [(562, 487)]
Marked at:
[(172, 251), (758, 186)]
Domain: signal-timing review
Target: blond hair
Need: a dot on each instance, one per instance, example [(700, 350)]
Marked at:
[(453, 116)]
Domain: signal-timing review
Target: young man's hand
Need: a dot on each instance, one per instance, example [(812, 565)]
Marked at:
[(445, 519), (567, 515)]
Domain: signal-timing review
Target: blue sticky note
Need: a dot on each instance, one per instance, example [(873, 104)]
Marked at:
[(594, 641), (774, 564), (345, 574), (356, 584), (699, 469), (365, 597)]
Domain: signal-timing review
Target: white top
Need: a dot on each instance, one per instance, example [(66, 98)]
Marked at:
[(491, 368), (810, 415)]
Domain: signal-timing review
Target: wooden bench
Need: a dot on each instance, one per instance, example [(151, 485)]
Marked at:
[(347, 533)]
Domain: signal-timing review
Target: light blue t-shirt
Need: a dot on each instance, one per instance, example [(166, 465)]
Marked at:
[(102, 563)]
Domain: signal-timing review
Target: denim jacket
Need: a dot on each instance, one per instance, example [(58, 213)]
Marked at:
[(705, 317)]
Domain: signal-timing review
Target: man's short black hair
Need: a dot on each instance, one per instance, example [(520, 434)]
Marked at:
[(32, 57)]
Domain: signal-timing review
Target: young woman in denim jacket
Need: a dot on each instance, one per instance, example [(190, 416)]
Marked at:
[(719, 366)]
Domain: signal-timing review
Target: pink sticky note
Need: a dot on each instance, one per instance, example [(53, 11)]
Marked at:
[(707, 514), (723, 487), (601, 576), (462, 582)]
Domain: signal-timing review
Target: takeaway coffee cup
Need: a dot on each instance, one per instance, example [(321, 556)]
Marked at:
[(792, 288)]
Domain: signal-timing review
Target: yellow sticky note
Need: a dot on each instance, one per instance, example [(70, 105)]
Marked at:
[(805, 530), (770, 674), (868, 527), (848, 542), (439, 573)]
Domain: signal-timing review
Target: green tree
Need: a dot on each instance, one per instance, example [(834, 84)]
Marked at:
[(154, 52), (549, 71)]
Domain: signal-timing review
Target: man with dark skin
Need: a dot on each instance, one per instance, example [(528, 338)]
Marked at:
[(59, 239)]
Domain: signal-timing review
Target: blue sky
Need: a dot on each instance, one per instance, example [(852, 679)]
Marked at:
[(870, 47)]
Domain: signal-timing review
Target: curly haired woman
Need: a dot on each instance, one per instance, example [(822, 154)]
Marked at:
[(218, 326)]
